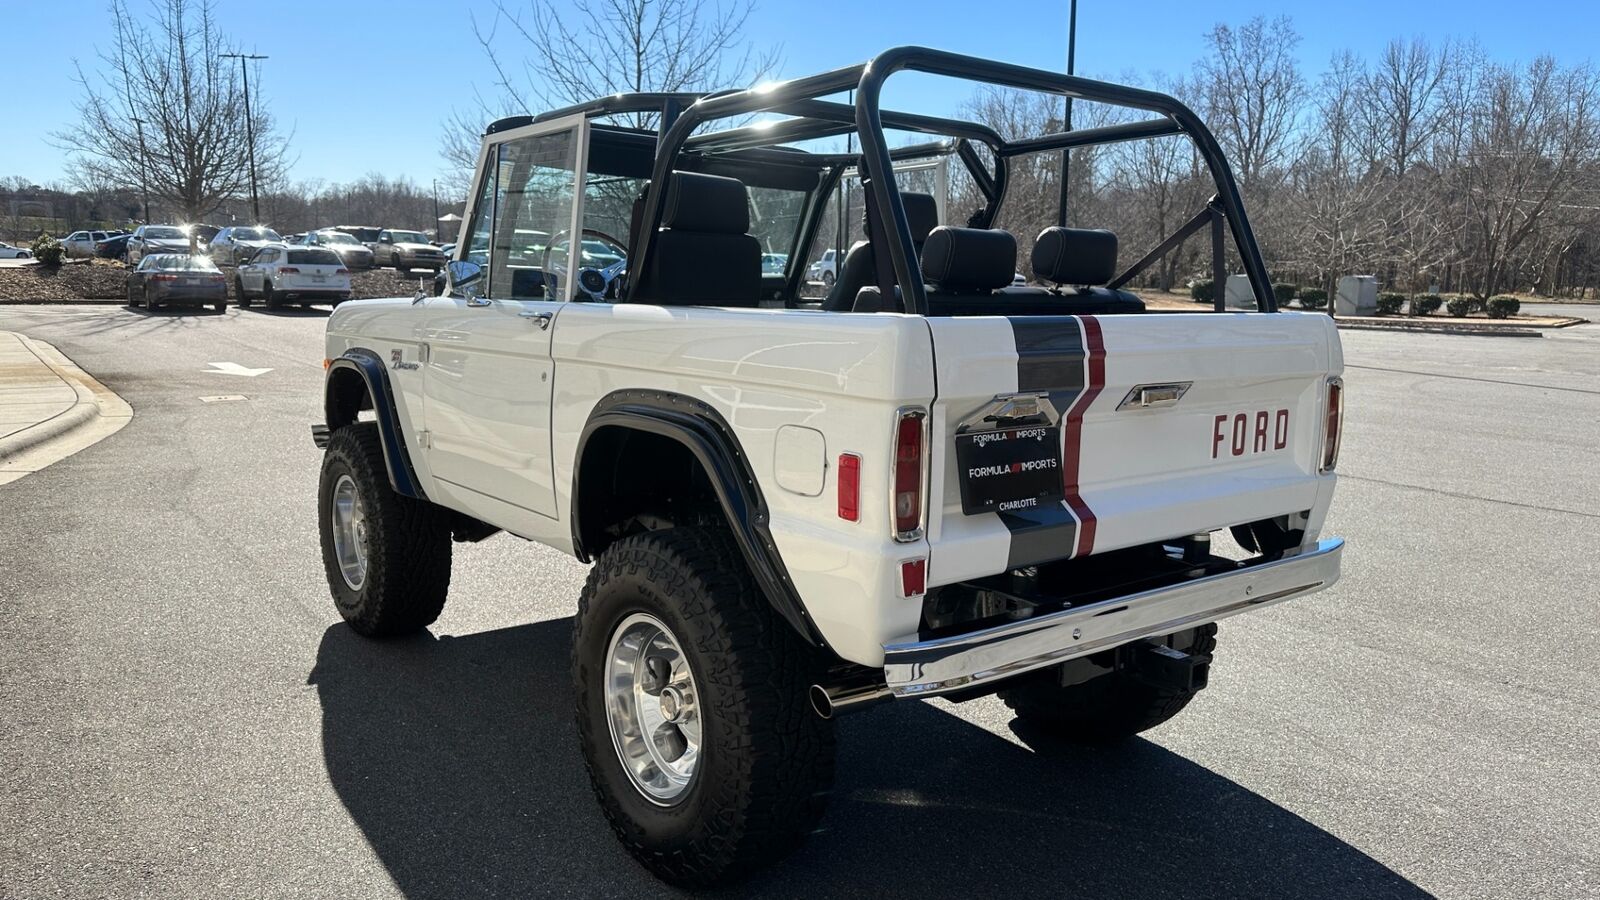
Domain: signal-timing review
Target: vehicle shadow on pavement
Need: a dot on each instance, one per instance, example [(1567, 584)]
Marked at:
[(458, 759), (288, 312)]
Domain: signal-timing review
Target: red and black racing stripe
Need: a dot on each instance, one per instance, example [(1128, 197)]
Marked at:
[(1064, 357)]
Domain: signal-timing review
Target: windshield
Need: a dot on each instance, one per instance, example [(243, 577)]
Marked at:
[(407, 237), (165, 233), (256, 234), (335, 237)]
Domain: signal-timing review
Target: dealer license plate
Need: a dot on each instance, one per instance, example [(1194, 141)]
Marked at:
[(1009, 469)]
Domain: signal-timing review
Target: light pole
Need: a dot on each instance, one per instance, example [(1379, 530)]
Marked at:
[(1066, 154), (144, 178), (250, 129), (438, 233)]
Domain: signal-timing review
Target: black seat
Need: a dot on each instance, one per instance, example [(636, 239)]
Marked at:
[(703, 254), (1080, 262), (860, 264)]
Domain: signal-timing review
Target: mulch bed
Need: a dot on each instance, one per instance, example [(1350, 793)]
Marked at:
[(103, 279)]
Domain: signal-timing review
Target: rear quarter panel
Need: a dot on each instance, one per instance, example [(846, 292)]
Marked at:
[(842, 376)]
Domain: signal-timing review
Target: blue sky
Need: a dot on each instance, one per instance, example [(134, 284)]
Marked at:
[(366, 85)]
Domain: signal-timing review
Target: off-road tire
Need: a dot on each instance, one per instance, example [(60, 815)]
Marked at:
[(408, 543), (1106, 709), (766, 764), (238, 287)]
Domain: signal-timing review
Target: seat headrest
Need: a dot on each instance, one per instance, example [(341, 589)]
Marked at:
[(922, 214), (969, 258), (1076, 256), (706, 203)]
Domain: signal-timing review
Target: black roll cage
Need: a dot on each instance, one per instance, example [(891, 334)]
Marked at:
[(683, 113)]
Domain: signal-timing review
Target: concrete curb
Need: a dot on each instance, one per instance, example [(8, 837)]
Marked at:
[(98, 413), (1442, 329), (107, 301)]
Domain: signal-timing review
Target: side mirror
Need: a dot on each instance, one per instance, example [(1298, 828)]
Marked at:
[(465, 278)]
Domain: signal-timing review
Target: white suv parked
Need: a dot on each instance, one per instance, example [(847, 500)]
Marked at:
[(935, 484), (278, 274)]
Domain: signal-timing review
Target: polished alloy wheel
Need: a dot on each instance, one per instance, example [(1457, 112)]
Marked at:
[(349, 532), (651, 708)]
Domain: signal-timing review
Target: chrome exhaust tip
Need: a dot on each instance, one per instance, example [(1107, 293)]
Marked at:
[(831, 701)]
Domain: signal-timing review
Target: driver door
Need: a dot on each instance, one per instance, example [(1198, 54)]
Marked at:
[(489, 371)]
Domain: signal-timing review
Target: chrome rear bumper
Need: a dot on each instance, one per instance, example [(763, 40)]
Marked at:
[(914, 668)]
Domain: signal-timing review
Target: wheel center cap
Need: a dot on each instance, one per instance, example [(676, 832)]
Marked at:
[(671, 704)]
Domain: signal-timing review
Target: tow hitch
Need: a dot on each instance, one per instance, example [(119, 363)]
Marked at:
[(1165, 668)]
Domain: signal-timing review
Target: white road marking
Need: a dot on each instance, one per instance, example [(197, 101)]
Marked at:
[(233, 368)]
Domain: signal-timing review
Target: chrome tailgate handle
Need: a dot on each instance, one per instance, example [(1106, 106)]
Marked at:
[(1155, 396)]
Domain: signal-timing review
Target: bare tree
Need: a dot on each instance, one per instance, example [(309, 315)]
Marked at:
[(1532, 141), (168, 112), (601, 47), (1252, 93)]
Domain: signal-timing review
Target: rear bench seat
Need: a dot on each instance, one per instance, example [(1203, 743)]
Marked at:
[(967, 272)]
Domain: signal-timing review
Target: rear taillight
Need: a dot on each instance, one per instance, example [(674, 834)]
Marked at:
[(1332, 425), (341, 271), (849, 487), (288, 270), (908, 476)]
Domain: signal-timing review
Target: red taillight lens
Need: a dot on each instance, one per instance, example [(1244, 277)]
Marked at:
[(288, 270), (849, 487), (909, 464), (1333, 425), (914, 578), (341, 271)]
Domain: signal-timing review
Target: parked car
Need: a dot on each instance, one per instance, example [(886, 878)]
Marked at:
[(171, 279), (366, 234), (407, 250), (114, 247), (355, 254), (793, 513), (240, 242), (279, 272), (774, 263), (80, 244), (203, 234), (9, 252), (150, 239), (825, 269)]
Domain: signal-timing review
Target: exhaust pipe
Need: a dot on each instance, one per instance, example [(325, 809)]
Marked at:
[(831, 700)]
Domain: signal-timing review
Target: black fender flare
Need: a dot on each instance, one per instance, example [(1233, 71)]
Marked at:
[(369, 367), (708, 437)]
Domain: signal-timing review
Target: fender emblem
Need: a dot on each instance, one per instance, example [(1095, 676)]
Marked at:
[(397, 360)]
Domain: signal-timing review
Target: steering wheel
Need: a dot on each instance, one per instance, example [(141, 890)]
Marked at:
[(594, 282)]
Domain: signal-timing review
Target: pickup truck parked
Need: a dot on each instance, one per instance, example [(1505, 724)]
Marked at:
[(932, 484)]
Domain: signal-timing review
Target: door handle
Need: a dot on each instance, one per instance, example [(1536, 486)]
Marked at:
[(479, 301), (543, 318)]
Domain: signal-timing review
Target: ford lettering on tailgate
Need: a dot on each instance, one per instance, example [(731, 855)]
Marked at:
[(1009, 469), (1249, 433)]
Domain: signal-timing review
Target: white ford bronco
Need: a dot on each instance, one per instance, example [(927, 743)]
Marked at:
[(928, 483)]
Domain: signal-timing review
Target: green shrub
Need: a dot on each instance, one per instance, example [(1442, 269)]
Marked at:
[(1461, 306), (1503, 307), (1389, 304), (1284, 293), (1202, 292), (47, 250), (1426, 304), (1313, 298)]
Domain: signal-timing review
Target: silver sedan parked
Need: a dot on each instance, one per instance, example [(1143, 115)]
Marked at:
[(237, 243), (352, 252)]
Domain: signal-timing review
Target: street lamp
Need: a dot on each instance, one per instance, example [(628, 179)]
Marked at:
[(1066, 153), (250, 129)]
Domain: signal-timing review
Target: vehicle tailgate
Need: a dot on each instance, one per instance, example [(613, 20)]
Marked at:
[(1160, 426)]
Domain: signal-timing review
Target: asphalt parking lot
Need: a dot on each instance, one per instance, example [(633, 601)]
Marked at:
[(183, 714)]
